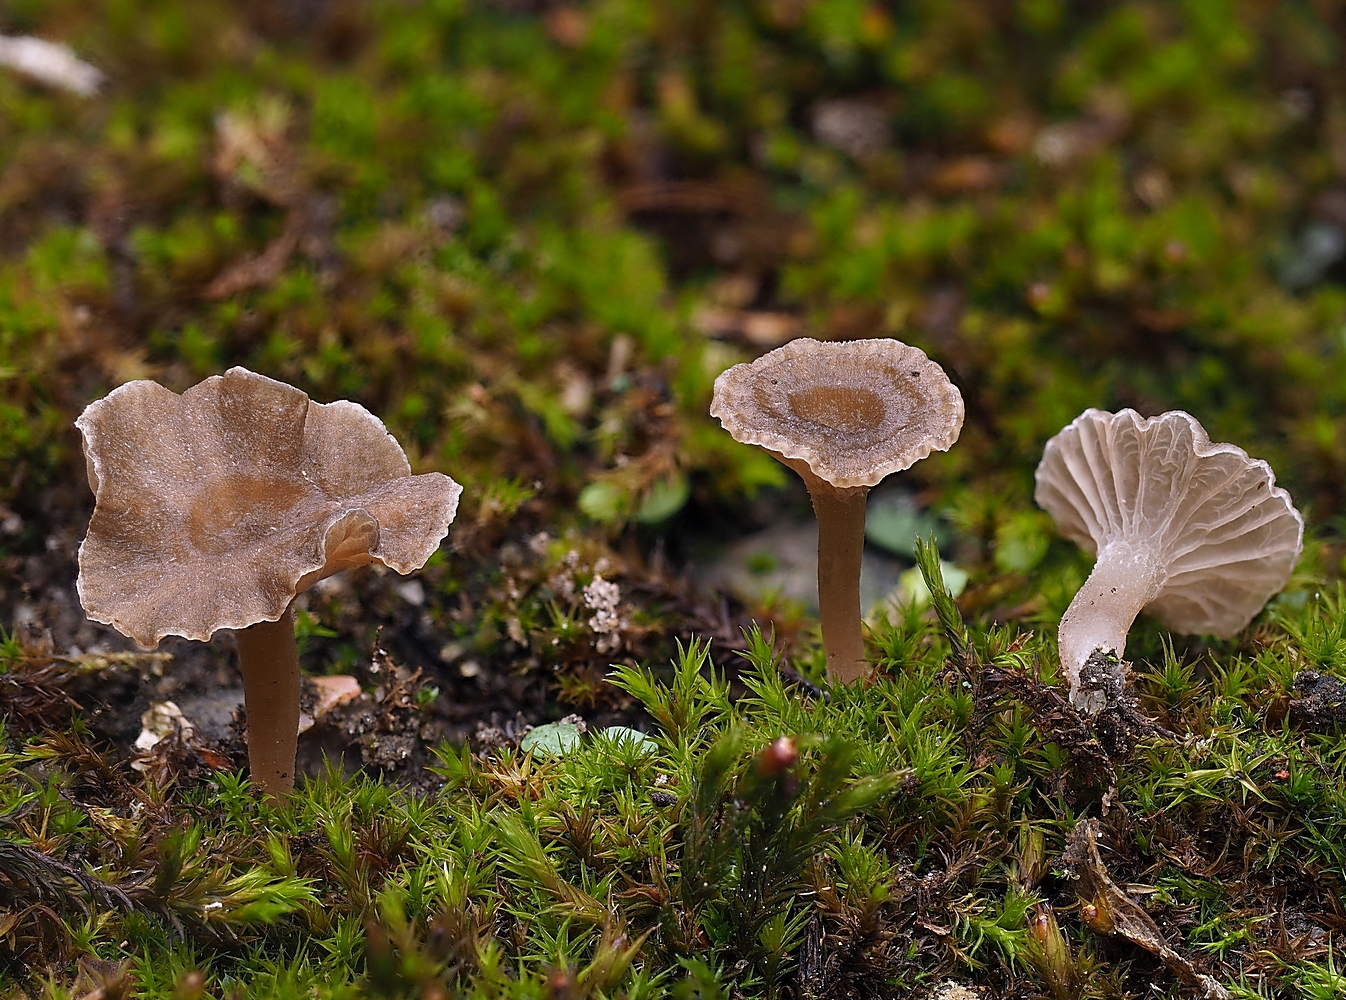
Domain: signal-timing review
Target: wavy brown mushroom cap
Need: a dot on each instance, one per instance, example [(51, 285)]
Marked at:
[(853, 411), (215, 508), (1224, 538)]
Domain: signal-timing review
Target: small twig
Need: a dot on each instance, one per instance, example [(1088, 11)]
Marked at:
[(41, 872), (1109, 911)]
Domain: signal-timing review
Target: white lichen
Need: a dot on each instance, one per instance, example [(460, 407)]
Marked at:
[(603, 598), (51, 63)]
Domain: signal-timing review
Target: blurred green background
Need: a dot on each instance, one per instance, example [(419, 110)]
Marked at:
[(530, 234)]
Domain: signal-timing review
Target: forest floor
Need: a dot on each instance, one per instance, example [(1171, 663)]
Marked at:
[(528, 235)]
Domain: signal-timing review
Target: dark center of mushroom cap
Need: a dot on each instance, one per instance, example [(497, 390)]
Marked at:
[(853, 412), (840, 412), (238, 510), (846, 408)]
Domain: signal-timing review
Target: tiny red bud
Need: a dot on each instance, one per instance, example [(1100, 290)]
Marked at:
[(778, 756), (190, 985), (1039, 925), (560, 984)]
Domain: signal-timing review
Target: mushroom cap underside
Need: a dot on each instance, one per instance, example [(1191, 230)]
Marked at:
[(853, 411), (1224, 536), (214, 508)]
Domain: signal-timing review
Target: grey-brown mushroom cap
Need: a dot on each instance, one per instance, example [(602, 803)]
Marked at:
[(1225, 536), (854, 411), (213, 509)]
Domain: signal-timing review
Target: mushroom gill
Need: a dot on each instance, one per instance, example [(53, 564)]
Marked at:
[(1197, 533)]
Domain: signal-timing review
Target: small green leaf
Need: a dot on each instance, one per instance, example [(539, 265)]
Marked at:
[(893, 522), (632, 737), (602, 501), (666, 498), (911, 588), (555, 739)]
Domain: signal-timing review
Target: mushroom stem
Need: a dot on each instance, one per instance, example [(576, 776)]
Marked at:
[(268, 656), (1126, 577), (841, 543)]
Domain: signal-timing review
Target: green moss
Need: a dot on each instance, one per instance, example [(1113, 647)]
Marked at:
[(502, 231), (625, 862)]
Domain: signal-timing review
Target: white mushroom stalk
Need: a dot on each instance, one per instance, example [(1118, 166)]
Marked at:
[(1198, 533), (1126, 577)]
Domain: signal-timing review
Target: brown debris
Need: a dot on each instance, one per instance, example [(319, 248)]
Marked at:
[(495, 734), (693, 197), (568, 26), (1322, 700), (1053, 714), (98, 979), (264, 268), (385, 730), (1109, 912), (253, 156), (327, 693), (1118, 724), (29, 877), (1066, 143), (171, 751), (757, 327), (32, 696), (968, 173), (253, 152), (37, 691)]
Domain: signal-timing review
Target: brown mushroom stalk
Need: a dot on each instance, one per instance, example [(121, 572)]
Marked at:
[(215, 509), (268, 658), (1197, 533), (841, 546), (843, 416)]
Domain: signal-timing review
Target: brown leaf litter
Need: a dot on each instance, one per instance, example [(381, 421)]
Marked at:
[(1108, 911)]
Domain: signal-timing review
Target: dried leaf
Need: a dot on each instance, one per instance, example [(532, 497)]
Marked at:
[(1109, 911)]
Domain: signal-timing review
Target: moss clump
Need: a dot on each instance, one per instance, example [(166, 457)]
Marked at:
[(898, 835), (529, 237)]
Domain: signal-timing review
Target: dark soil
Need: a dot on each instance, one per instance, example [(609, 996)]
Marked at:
[(420, 685)]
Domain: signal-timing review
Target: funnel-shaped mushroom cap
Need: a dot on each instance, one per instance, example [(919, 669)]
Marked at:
[(852, 411), (1223, 537), (214, 508)]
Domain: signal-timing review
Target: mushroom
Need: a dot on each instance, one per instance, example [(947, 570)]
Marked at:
[(1197, 533), (214, 509), (843, 416)]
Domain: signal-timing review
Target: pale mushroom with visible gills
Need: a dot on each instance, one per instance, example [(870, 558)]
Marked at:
[(214, 509), (843, 415), (1196, 533)]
